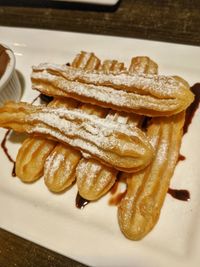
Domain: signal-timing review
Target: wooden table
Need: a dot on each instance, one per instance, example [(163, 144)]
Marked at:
[(167, 20)]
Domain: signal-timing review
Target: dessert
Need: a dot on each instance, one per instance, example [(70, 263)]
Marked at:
[(124, 147), (139, 210), (31, 158), (151, 95)]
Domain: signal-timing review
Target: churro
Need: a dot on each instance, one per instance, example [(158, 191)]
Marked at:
[(150, 95), (114, 144), (31, 158), (140, 209)]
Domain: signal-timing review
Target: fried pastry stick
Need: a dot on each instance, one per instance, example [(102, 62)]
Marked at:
[(140, 209), (93, 178), (114, 144), (31, 158), (150, 95)]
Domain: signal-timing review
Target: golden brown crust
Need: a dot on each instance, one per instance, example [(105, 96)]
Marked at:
[(94, 179), (150, 95), (31, 158), (146, 190), (60, 167), (114, 144)]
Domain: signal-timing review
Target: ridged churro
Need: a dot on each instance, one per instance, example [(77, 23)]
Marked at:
[(114, 144), (150, 95), (139, 210), (31, 158)]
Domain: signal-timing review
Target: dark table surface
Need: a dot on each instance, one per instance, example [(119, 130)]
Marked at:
[(166, 20)]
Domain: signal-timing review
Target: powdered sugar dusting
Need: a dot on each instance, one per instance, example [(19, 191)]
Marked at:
[(103, 94), (52, 164), (91, 134), (157, 85), (93, 181)]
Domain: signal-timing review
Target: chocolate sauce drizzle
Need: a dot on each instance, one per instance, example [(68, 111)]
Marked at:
[(180, 194), (80, 201), (181, 157), (5, 149), (145, 123), (35, 99), (192, 108), (44, 98)]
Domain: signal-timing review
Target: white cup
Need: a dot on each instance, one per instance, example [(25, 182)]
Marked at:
[(10, 87)]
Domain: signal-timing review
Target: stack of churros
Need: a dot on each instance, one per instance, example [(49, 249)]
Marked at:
[(92, 133)]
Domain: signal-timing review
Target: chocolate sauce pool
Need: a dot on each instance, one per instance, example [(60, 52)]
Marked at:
[(4, 60)]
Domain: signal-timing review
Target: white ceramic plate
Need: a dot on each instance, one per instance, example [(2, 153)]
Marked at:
[(98, 2), (92, 235)]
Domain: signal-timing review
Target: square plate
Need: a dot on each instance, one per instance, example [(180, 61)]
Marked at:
[(92, 235)]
